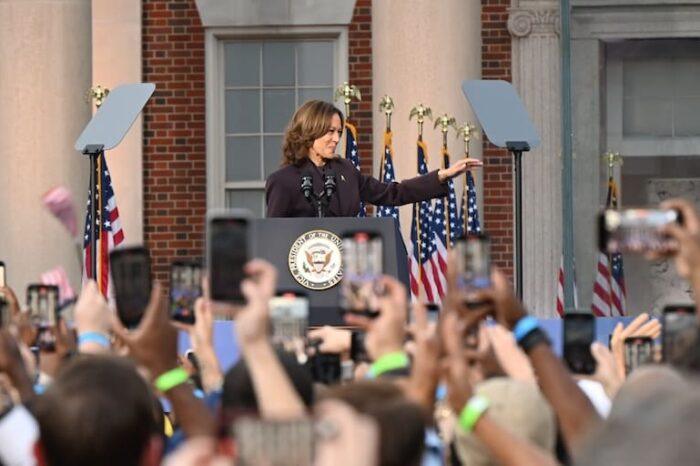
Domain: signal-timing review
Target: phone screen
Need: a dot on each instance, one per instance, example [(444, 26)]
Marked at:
[(185, 288), (131, 274), (474, 263), (42, 301), (579, 333), (634, 230), (638, 351), (273, 443), (289, 316), (362, 268), (680, 330), (228, 254)]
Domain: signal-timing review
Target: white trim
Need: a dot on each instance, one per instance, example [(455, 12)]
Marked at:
[(214, 83)]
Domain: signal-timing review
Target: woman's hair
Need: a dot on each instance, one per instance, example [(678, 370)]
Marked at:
[(310, 122)]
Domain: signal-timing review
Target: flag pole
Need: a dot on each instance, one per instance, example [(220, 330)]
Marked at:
[(468, 132), (95, 151), (420, 112), (445, 122)]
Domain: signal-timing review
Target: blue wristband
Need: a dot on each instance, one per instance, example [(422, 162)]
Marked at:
[(94, 337), (524, 326)]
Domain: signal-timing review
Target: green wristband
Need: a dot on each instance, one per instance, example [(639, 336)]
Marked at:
[(389, 362), (171, 379), (472, 412)]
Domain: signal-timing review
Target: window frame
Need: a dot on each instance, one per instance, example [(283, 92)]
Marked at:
[(215, 92)]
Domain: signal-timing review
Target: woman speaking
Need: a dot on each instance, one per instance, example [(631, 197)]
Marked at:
[(313, 177)]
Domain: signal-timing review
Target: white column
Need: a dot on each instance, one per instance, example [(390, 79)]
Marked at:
[(116, 60), (422, 51), (534, 26), (45, 65)]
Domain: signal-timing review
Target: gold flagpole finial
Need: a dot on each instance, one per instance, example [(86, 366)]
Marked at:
[(612, 160), (445, 122), (97, 94), (420, 111), (348, 92), (468, 132), (386, 105)]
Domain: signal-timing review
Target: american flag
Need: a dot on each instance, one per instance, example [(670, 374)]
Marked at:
[(424, 272), (388, 176), (453, 219), (352, 154), (560, 289), (110, 233), (609, 286), (469, 211)]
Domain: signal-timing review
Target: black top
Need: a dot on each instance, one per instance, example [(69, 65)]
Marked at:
[(285, 198)]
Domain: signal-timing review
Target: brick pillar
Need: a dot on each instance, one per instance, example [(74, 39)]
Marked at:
[(498, 175), (360, 74)]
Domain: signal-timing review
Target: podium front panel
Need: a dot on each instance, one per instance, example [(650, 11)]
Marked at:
[(273, 239)]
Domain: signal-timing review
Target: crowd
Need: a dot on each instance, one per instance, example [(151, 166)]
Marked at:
[(479, 386)]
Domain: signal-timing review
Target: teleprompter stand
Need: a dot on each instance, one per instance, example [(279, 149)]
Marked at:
[(507, 124), (105, 131)]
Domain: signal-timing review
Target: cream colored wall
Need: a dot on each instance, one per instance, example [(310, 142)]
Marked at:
[(45, 70), (422, 51), (116, 59)]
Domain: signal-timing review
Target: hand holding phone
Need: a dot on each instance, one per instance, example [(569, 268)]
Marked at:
[(185, 288), (227, 254), (362, 269), (579, 334), (131, 275), (42, 301)]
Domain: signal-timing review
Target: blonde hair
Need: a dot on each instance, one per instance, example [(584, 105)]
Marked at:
[(310, 122)]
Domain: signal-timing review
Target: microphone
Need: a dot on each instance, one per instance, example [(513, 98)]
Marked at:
[(329, 183), (307, 186)]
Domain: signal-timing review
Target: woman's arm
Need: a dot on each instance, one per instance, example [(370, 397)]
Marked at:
[(420, 188)]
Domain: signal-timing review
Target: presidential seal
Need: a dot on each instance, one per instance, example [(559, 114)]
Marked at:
[(315, 260)]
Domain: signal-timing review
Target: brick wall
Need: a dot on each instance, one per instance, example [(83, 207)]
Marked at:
[(174, 160), (498, 184), (174, 153), (360, 74)]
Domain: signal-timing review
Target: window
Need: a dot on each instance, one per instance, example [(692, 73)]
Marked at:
[(261, 82), (653, 99)]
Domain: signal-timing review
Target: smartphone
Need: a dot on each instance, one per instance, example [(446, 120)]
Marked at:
[(289, 319), (42, 301), (362, 269), (473, 263), (185, 288), (634, 230), (131, 275), (680, 330), (273, 443), (638, 351), (579, 333), (227, 253)]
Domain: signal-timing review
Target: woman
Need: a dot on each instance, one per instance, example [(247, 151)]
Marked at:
[(310, 142)]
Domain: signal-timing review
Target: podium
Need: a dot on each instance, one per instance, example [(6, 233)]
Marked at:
[(308, 239)]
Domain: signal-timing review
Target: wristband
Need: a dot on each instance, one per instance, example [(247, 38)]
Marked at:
[(171, 379), (524, 326), (472, 412), (94, 337), (388, 362), (532, 339)]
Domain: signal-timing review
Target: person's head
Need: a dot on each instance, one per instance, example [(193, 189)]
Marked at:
[(645, 383), (98, 411), (518, 406), (401, 422), (661, 429), (238, 394), (314, 131)]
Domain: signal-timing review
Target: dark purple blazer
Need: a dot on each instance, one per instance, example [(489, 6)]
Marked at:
[(285, 199)]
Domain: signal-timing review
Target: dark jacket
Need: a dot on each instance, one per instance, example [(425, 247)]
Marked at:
[(285, 199)]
